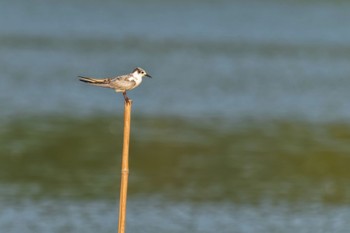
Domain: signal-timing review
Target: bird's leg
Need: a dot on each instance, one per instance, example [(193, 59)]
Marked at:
[(126, 97)]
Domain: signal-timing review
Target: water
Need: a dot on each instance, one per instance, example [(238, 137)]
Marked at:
[(244, 127), (235, 60), (92, 216)]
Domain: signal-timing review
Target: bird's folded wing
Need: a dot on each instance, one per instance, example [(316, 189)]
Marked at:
[(122, 83)]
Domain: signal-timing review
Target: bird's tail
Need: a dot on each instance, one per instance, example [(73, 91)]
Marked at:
[(97, 82)]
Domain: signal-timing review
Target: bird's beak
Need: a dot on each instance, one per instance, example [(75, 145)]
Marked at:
[(148, 75)]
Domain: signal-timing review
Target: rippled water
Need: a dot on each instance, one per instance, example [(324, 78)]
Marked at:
[(235, 60), (152, 215), (244, 127), (185, 175)]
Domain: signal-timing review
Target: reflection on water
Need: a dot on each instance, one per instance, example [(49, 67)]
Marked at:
[(185, 175), (178, 159)]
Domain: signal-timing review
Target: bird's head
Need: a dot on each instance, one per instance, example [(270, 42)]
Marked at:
[(141, 72)]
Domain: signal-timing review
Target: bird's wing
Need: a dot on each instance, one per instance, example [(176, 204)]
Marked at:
[(124, 82)]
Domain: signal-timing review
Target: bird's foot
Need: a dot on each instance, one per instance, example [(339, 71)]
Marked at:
[(126, 98)]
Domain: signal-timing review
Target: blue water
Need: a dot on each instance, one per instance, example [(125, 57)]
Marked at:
[(227, 59), (156, 216)]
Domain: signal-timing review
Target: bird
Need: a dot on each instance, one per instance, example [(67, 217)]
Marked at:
[(120, 83)]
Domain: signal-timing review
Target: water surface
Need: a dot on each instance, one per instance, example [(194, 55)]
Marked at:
[(244, 127)]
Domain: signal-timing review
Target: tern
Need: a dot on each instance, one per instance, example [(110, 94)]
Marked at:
[(120, 83)]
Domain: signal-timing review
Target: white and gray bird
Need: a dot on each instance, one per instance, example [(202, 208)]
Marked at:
[(121, 83)]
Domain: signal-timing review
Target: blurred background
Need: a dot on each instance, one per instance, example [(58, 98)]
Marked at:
[(245, 126)]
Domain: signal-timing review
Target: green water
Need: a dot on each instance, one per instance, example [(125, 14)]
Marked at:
[(193, 160)]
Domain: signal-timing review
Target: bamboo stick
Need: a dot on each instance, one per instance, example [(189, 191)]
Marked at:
[(125, 167)]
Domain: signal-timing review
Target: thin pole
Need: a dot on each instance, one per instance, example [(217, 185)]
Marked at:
[(125, 167)]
